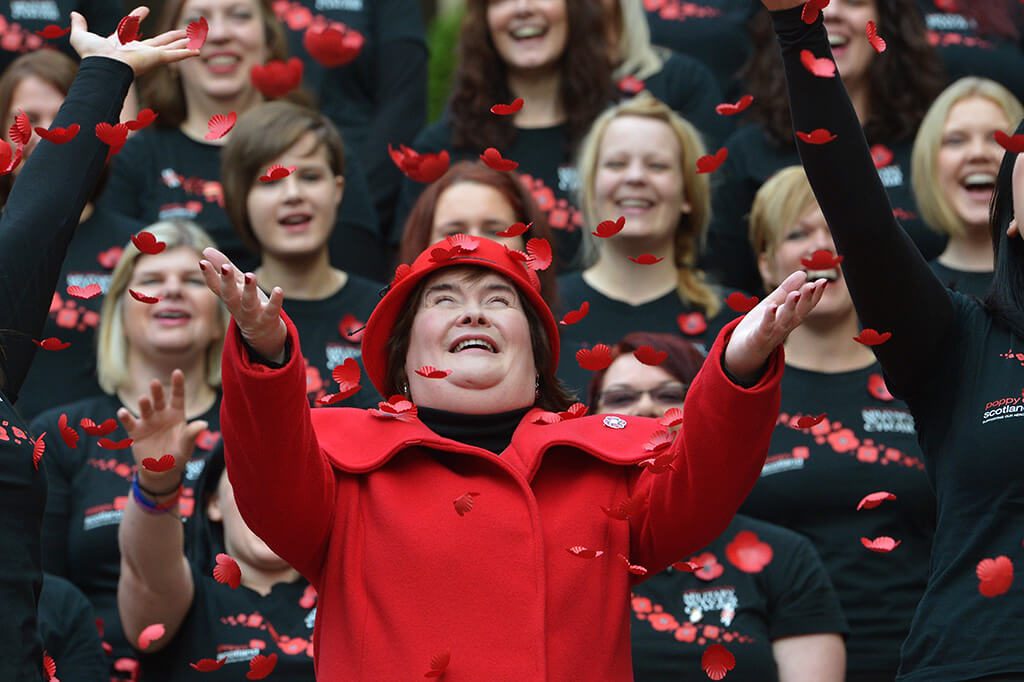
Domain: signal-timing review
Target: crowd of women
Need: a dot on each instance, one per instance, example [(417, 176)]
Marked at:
[(687, 344)]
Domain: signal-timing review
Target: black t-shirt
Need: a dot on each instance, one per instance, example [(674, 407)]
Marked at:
[(379, 98), (713, 31), (753, 158), (689, 87), (609, 320), (163, 174), (757, 583), (89, 487), (965, 51), (70, 375), (68, 627), (235, 625), (545, 167), (20, 19), (969, 283), (812, 482), (325, 332)]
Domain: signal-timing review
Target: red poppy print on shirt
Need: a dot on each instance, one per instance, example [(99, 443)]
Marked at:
[(560, 213), (676, 10)]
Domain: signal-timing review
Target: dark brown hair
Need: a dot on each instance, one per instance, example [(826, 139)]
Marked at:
[(903, 81), (481, 78), (53, 68), (551, 394), (161, 88), (683, 362), (262, 134), (420, 223)]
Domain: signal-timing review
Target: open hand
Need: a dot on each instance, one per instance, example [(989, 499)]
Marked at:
[(257, 317), (768, 324), (159, 430), (140, 55)]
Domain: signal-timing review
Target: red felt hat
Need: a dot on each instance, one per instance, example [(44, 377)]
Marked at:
[(455, 251)]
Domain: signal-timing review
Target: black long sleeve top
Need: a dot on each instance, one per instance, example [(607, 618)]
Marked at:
[(961, 375), (35, 229)]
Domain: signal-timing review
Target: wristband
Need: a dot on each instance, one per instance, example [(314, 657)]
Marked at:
[(154, 493), (151, 507)]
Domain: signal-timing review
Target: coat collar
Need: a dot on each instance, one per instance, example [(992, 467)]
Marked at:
[(357, 442)]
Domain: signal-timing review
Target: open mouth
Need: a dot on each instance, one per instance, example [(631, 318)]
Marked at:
[(634, 203), (837, 41), (528, 32), (830, 275), (473, 344), (980, 185), (295, 220)]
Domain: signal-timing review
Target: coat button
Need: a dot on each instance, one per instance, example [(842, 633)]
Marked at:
[(613, 422)]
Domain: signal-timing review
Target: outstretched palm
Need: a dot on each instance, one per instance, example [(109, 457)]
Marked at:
[(140, 55)]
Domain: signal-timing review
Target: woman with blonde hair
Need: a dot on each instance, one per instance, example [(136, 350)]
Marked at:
[(955, 162), (158, 315), (638, 166)]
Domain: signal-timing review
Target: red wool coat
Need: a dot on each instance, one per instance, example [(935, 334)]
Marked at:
[(363, 507)]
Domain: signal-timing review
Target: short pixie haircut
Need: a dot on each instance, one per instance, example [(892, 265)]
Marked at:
[(262, 134), (112, 344), (779, 205), (935, 207)]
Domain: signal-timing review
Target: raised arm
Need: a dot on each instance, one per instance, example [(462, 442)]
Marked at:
[(47, 200), (156, 582), (730, 414), (892, 287), (273, 458)]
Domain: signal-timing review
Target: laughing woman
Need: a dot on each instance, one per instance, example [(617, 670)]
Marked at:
[(459, 506)]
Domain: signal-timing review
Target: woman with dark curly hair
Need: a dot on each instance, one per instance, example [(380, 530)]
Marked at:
[(550, 53), (978, 39), (891, 92), (481, 202)]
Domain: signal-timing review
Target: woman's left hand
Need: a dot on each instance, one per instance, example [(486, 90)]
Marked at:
[(140, 55), (768, 324)]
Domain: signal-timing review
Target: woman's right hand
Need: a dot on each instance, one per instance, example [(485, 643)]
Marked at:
[(258, 317), (140, 55)]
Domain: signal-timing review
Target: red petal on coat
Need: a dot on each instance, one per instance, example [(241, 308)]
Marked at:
[(730, 109), (59, 135), (660, 440), (464, 243), (395, 407), (609, 228), (165, 463), (542, 418), (584, 553), (52, 32), (227, 572), (692, 324), (108, 444), (740, 302), (877, 41), (514, 230), (646, 259), (495, 161), (872, 500), (196, 33), (635, 569), (709, 163), (717, 661), (147, 243), (748, 553), (822, 67), (260, 666), (660, 463), (594, 359), (52, 343), (995, 576), (632, 505), (817, 136), (150, 634), (574, 411), (277, 172), (538, 252), (464, 503), (94, 429), (143, 298), (808, 420), (220, 125), (882, 544), (20, 131), (574, 316), (208, 665), (67, 434), (143, 120), (822, 259), (85, 293), (430, 372), (128, 29), (508, 109), (38, 448), (1011, 143), (673, 417), (650, 356), (870, 337), (439, 664)]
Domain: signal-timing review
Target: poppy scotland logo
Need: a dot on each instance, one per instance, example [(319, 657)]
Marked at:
[(1009, 407)]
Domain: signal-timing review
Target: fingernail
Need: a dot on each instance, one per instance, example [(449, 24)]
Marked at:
[(248, 278), (202, 265)]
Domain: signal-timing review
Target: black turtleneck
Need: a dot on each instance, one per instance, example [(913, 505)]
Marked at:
[(491, 432)]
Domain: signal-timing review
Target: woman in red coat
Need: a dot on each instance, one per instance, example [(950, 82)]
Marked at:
[(458, 529)]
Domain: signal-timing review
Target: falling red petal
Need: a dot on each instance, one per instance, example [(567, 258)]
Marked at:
[(740, 302), (150, 634), (717, 661), (464, 503), (260, 666), (872, 500), (609, 228), (574, 316), (730, 109), (508, 109), (822, 67), (584, 553), (807, 421), (709, 163), (594, 359), (870, 337), (883, 544), (165, 463), (143, 298), (995, 576), (128, 29), (227, 571)]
